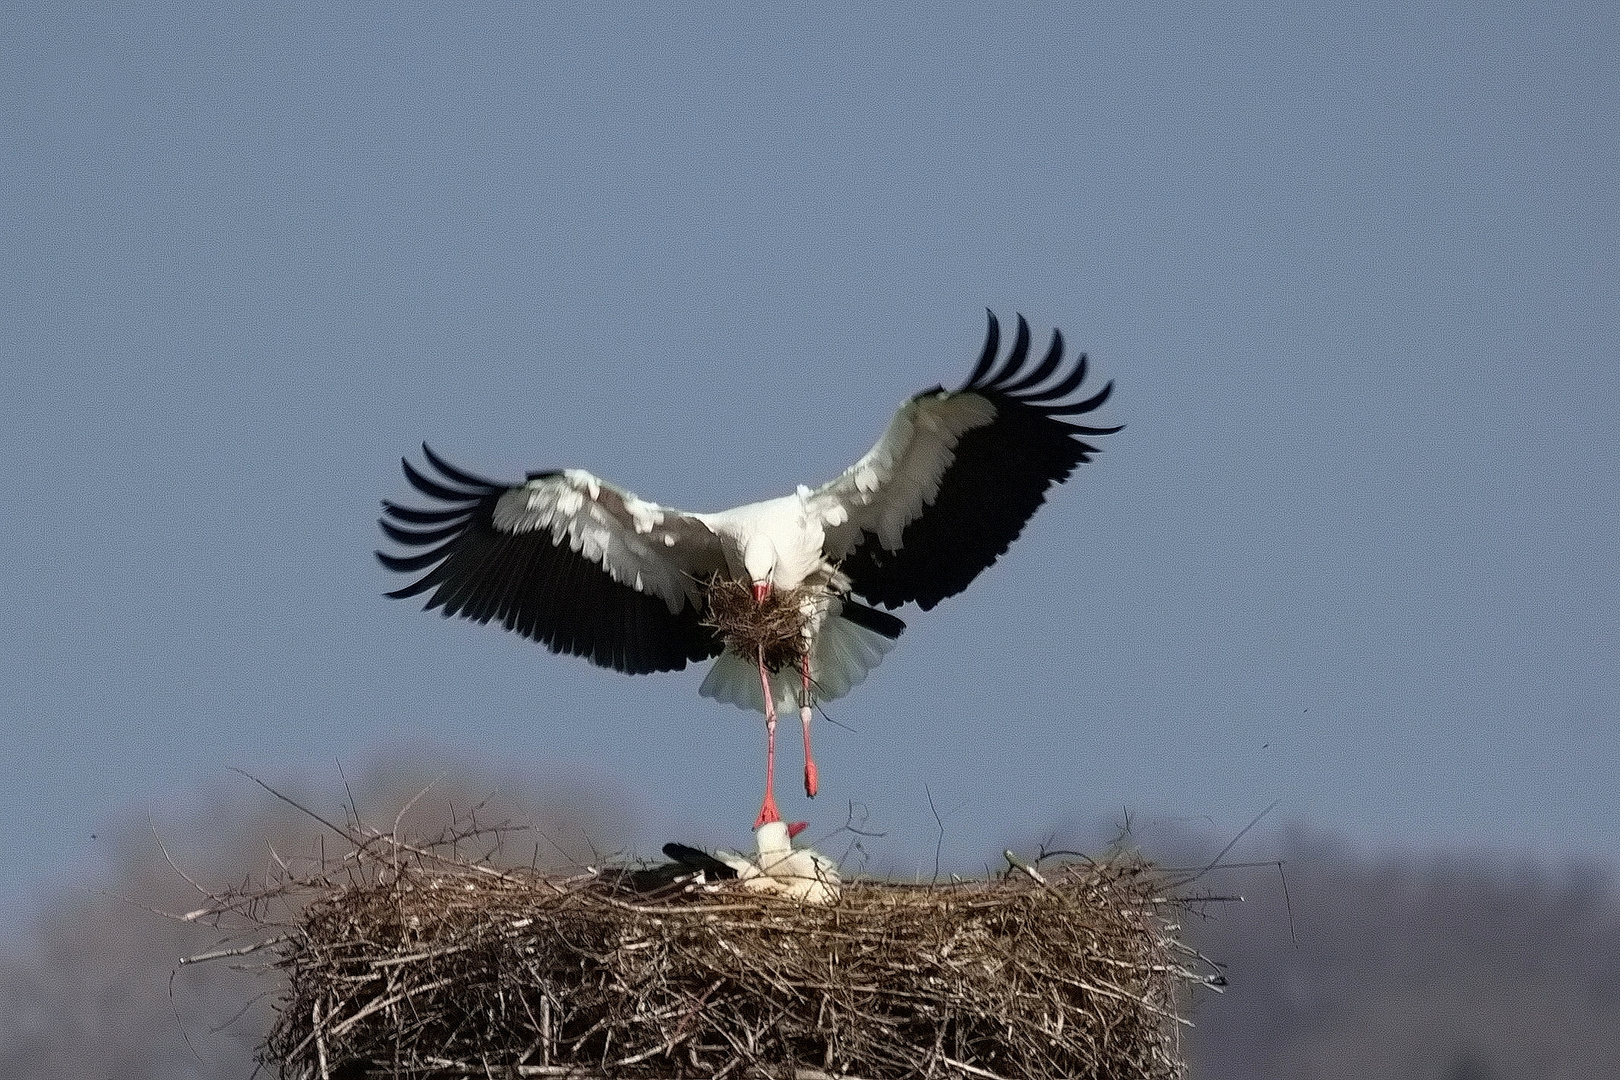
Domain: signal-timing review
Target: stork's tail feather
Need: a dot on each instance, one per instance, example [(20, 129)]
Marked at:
[(848, 646)]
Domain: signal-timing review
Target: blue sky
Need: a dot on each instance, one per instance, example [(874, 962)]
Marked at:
[(1353, 271)]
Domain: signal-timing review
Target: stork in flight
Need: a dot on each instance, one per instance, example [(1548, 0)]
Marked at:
[(587, 568)]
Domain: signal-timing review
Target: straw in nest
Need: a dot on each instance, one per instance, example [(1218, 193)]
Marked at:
[(772, 630)]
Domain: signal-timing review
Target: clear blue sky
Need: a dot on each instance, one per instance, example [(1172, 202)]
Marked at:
[(1354, 271)]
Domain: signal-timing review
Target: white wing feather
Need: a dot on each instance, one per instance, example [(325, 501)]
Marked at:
[(899, 478), (654, 549)]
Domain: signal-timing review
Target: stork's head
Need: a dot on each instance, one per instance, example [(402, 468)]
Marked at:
[(774, 838), (759, 562)]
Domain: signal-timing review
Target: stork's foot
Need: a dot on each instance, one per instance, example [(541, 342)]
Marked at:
[(807, 709), (811, 782)]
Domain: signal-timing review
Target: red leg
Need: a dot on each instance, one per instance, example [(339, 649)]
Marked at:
[(767, 809), (806, 707)]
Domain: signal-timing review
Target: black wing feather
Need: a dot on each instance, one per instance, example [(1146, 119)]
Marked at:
[(528, 583), (1049, 363), (992, 346), (410, 564), (879, 622), (999, 478), (1085, 406), (673, 878), (450, 472), (697, 859), (416, 537), (1015, 356), (435, 489), (412, 516)]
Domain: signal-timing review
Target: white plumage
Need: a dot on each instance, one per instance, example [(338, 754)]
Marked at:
[(778, 867), (588, 568)]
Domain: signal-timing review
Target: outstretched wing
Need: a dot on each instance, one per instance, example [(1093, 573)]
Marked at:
[(957, 474), (567, 559)]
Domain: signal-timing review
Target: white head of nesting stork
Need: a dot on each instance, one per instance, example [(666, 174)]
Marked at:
[(587, 568)]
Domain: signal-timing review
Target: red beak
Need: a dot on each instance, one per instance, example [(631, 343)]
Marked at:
[(796, 828), (761, 591)]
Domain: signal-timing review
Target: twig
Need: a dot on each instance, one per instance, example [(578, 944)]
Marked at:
[(354, 806), (1034, 875), (379, 1003), (241, 950), (239, 1013), (939, 843), (184, 1034), (1216, 861), (176, 868), (320, 1039), (407, 809), (296, 805), (971, 1070), (1287, 903)]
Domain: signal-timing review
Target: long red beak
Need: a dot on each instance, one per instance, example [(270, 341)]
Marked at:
[(761, 591), (796, 828)]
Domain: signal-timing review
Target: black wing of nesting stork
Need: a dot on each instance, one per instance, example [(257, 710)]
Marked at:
[(777, 867), (587, 568), (688, 868)]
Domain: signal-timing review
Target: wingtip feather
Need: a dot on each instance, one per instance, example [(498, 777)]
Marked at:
[(987, 356), (1015, 356)]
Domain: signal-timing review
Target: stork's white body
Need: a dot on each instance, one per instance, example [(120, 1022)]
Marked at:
[(783, 539), (782, 543), (779, 868)]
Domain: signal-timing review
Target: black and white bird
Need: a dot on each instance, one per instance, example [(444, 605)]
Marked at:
[(777, 867), (587, 568)]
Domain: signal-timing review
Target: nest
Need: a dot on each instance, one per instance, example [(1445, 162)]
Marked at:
[(772, 629), (432, 968)]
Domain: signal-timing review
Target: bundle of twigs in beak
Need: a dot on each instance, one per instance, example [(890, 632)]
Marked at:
[(772, 628)]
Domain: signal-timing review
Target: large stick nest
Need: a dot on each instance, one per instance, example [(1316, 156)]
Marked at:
[(421, 966), (772, 629)]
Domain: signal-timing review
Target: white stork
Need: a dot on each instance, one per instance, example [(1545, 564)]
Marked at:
[(778, 867), (801, 874), (587, 568)]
